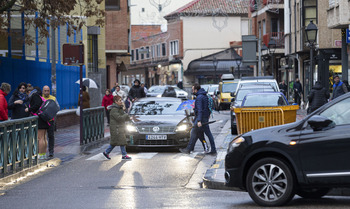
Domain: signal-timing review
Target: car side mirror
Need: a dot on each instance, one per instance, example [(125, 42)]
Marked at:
[(232, 94), (318, 122), (233, 99), (218, 92)]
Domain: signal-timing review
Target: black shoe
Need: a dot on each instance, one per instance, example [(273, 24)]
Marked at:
[(212, 153), (50, 155), (107, 156), (184, 150)]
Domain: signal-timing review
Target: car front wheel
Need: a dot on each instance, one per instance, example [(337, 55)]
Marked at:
[(270, 182)]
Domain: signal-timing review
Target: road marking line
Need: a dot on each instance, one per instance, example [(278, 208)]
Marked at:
[(144, 155), (101, 157)]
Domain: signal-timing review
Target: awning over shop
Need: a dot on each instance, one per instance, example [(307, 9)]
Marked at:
[(224, 60)]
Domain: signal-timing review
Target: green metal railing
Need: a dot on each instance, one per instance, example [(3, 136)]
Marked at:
[(93, 124), (18, 144)]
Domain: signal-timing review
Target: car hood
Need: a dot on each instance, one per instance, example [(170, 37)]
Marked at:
[(160, 119), (276, 133)]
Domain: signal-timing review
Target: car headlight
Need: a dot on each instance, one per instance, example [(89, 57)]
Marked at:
[(182, 127), (131, 128), (159, 95), (236, 142)]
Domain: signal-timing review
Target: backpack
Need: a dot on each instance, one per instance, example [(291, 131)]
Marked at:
[(210, 104), (48, 110)]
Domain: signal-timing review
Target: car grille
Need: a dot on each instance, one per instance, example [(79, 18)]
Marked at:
[(157, 142), (149, 129)]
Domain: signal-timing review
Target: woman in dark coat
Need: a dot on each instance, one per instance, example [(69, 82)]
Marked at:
[(18, 102), (118, 117), (35, 103), (86, 98), (317, 97)]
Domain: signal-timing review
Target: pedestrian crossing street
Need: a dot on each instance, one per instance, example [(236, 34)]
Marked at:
[(143, 155)]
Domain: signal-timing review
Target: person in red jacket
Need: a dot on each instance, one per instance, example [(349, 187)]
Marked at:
[(106, 101), (4, 91)]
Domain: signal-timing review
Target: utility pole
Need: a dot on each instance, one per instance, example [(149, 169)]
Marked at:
[(53, 61)]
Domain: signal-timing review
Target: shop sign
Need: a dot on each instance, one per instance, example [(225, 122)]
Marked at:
[(337, 43), (348, 35)]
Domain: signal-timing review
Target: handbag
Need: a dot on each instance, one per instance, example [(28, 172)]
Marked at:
[(78, 111)]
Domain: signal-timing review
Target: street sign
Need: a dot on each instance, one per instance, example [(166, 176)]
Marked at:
[(348, 35), (73, 54)]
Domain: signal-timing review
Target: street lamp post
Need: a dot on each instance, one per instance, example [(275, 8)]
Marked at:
[(311, 36), (272, 48), (215, 63), (239, 62)]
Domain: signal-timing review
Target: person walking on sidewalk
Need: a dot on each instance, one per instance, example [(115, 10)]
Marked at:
[(51, 129), (106, 101), (4, 91), (86, 99), (136, 91), (18, 102), (202, 113), (118, 117), (298, 91), (339, 88), (317, 97)]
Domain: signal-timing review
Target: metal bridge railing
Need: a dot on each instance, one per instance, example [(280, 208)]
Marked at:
[(18, 144), (93, 124)]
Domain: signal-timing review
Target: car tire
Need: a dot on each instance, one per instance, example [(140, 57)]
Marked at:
[(270, 182), (313, 193)]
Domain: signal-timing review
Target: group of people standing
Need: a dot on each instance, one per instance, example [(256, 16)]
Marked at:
[(26, 101), (318, 95)]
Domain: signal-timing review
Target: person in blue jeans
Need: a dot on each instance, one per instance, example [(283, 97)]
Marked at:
[(118, 117), (202, 113)]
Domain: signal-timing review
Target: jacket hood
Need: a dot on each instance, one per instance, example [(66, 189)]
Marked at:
[(201, 91), (114, 106), (2, 92), (317, 86)]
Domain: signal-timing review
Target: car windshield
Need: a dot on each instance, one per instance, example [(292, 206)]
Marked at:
[(229, 87), (264, 100), (243, 92), (156, 89), (155, 108), (272, 84)]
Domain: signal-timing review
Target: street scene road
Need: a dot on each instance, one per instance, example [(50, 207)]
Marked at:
[(152, 179)]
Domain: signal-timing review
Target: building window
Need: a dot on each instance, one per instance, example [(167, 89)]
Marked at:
[(163, 49), (137, 54), (153, 51), (158, 50), (132, 55), (147, 54), (142, 53), (174, 47), (310, 12), (92, 53), (112, 5)]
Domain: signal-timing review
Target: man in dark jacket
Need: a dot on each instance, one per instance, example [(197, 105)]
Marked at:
[(283, 87), (202, 113), (318, 96), (298, 91), (136, 91), (339, 88)]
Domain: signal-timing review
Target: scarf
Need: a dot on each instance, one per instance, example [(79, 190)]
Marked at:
[(22, 96)]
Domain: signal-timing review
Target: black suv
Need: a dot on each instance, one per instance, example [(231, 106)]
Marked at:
[(308, 157)]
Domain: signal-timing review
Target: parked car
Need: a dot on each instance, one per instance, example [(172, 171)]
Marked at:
[(158, 91), (158, 124), (239, 96), (307, 158), (265, 99), (267, 80)]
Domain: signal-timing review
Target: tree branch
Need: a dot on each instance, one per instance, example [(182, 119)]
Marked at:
[(7, 6)]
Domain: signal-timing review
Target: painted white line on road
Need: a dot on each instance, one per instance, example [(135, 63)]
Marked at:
[(181, 156), (143, 155), (101, 157)]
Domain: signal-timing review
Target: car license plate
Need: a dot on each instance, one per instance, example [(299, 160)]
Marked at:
[(156, 137)]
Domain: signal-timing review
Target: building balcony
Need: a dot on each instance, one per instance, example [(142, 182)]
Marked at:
[(277, 36)]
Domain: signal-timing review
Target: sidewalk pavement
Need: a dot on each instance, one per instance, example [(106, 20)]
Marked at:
[(67, 147)]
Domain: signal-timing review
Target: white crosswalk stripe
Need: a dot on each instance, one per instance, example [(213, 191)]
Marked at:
[(143, 155)]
